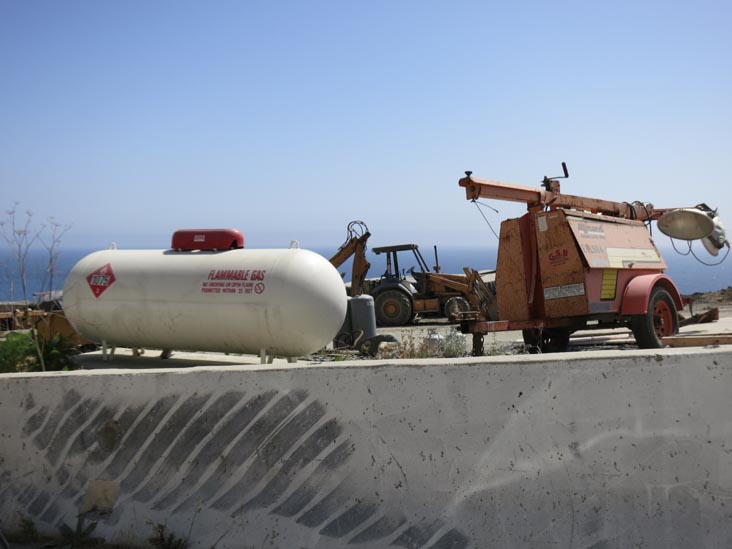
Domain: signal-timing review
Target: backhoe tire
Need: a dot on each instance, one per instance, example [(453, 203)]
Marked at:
[(552, 340), (661, 320), (393, 308)]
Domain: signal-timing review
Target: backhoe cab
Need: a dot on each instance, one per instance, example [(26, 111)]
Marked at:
[(394, 294)]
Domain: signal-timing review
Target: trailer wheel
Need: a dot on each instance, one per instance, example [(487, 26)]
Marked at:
[(661, 320), (456, 305), (554, 340), (393, 308)]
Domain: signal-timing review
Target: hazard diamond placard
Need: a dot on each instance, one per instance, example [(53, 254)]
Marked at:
[(101, 279)]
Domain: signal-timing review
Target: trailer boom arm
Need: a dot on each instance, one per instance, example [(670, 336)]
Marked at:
[(537, 199)]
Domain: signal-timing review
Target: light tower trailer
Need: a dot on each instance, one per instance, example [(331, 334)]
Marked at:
[(574, 263)]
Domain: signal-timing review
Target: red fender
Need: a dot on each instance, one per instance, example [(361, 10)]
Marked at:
[(638, 292)]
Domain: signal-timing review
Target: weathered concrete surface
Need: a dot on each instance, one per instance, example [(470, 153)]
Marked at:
[(576, 450)]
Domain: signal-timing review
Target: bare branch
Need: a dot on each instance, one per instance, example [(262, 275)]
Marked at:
[(20, 237), (51, 244)]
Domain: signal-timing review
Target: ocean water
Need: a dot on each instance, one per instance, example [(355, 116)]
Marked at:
[(689, 274)]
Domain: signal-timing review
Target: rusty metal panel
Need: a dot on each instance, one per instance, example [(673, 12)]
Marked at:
[(605, 289), (426, 305), (56, 324), (561, 267), (512, 273), (608, 243)]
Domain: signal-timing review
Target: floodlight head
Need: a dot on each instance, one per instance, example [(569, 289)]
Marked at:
[(718, 239), (686, 224)]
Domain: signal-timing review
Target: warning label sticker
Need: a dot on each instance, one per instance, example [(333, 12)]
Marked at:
[(101, 279), (569, 290), (234, 281)]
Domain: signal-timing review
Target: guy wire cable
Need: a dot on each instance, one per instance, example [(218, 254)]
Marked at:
[(478, 205)]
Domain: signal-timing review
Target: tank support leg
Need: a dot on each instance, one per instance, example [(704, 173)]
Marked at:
[(107, 351), (291, 359), (477, 344)]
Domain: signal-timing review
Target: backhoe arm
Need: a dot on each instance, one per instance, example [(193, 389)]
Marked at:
[(355, 245)]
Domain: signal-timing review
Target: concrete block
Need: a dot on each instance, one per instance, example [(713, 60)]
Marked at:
[(575, 450)]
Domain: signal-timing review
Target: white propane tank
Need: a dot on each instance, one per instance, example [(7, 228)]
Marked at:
[(286, 302)]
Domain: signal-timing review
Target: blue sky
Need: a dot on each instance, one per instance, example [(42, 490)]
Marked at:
[(287, 120)]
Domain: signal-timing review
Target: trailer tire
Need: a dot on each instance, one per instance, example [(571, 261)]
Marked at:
[(661, 320), (455, 305), (393, 308), (552, 340)]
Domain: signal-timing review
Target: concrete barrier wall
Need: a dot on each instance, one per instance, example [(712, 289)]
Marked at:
[(578, 450)]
